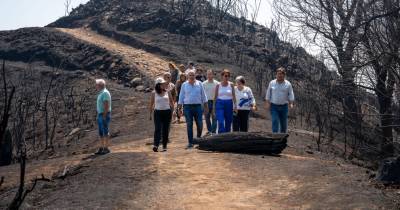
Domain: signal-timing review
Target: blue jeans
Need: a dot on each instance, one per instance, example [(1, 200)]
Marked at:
[(224, 114), (279, 115), (193, 112), (103, 124), (211, 121)]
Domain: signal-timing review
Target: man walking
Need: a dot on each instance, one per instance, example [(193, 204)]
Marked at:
[(103, 116), (279, 98), (192, 97), (209, 87)]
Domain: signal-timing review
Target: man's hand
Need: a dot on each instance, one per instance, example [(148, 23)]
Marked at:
[(267, 105), (206, 110), (254, 108), (291, 105), (235, 110), (105, 115)]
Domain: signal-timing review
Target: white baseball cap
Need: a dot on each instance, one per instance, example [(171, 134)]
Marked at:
[(160, 80)]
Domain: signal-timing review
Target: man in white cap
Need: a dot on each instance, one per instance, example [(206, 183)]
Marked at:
[(103, 116)]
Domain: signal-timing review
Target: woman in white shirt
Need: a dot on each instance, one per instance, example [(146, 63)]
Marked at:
[(161, 105), (224, 103), (245, 102)]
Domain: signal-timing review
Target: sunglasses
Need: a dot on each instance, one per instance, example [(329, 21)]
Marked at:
[(226, 75)]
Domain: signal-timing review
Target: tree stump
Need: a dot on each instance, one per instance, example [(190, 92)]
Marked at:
[(241, 142), (389, 171), (6, 150)]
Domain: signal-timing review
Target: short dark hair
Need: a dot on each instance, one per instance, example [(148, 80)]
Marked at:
[(282, 70), (241, 79), (158, 88)]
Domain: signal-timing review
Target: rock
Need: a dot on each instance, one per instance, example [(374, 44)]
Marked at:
[(136, 82), (140, 88), (148, 90), (6, 150), (74, 131), (389, 171)]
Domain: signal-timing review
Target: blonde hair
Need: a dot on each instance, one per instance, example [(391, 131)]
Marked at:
[(101, 82), (172, 65)]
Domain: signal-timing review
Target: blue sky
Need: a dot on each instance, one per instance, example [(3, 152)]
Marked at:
[(27, 13), (16, 14)]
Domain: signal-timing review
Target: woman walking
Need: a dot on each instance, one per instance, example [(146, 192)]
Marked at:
[(182, 79), (245, 102), (224, 103), (161, 105)]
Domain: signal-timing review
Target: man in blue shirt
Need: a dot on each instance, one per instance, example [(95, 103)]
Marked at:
[(103, 116), (279, 98), (193, 98)]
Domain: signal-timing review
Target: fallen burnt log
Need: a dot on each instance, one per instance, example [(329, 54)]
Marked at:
[(240, 142)]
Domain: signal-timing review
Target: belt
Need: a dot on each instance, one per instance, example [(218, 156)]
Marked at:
[(279, 104), (192, 105)]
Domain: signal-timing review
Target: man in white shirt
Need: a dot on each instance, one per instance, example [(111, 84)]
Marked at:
[(209, 87), (190, 68), (279, 98)]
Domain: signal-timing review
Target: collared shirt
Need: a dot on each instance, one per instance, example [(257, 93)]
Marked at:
[(192, 93), (279, 93), (209, 88), (104, 95), (244, 98)]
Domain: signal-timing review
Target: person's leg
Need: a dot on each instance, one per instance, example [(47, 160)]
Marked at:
[(189, 123), (107, 132), (228, 115), (166, 123), (157, 128), (219, 112), (198, 116), (244, 120), (274, 118), (283, 118), (208, 118), (236, 123), (101, 135)]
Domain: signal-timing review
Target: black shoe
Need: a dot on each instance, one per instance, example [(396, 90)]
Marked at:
[(100, 151), (155, 149), (106, 151)]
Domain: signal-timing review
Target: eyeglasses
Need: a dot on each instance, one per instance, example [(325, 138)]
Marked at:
[(226, 75)]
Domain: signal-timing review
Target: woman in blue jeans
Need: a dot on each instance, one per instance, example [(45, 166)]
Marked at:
[(225, 103)]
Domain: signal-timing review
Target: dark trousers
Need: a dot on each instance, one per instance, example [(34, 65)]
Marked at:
[(162, 122), (193, 112), (211, 121), (241, 121)]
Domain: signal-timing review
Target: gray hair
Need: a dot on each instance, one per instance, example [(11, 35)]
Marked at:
[(240, 79), (101, 82)]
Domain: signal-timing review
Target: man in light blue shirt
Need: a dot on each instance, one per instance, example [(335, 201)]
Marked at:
[(279, 97), (193, 98), (103, 116)]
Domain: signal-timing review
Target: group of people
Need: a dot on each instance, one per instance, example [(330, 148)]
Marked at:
[(186, 92), (225, 105)]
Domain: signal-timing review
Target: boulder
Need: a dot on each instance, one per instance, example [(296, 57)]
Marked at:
[(140, 88), (136, 82), (74, 131), (389, 171)]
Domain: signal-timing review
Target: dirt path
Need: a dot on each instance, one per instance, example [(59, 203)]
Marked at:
[(133, 177), (151, 65)]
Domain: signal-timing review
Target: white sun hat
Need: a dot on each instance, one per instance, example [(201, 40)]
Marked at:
[(160, 80)]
